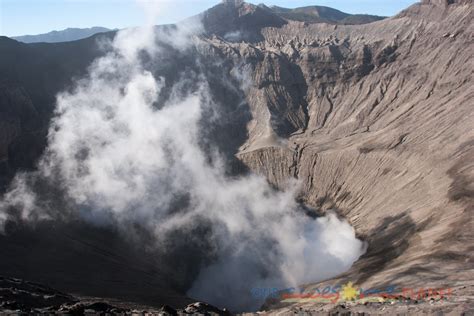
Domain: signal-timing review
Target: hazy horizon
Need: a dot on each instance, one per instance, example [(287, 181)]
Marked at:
[(28, 17)]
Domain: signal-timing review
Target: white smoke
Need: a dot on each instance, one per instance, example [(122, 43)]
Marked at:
[(119, 157)]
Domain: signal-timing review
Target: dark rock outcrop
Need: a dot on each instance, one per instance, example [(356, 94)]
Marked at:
[(20, 297)]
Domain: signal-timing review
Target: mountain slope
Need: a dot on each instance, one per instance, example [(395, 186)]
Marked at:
[(67, 35), (376, 121), (320, 14), (32, 75), (387, 138)]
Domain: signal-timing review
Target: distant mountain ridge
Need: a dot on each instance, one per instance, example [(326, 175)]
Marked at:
[(321, 14), (278, 15), (67, 35), (238, 20)]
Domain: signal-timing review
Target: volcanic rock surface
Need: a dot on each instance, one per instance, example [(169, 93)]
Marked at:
[(20, 297), (375, 120)]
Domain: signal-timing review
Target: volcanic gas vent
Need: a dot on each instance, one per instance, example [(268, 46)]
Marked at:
[(132, 152), (207, 159)]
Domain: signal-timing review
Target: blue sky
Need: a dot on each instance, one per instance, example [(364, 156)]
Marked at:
[(21, 17)]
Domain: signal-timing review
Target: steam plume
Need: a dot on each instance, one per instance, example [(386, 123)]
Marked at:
[(120, 157)]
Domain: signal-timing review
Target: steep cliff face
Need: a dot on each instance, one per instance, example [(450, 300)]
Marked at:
[(385, 137), (32, 74), (376, 122)]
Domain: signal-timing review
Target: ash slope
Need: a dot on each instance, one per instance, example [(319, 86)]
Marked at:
[(375, 120), (378, 123)]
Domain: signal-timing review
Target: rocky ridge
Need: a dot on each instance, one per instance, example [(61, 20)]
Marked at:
[(20, 297), (69, 34)]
